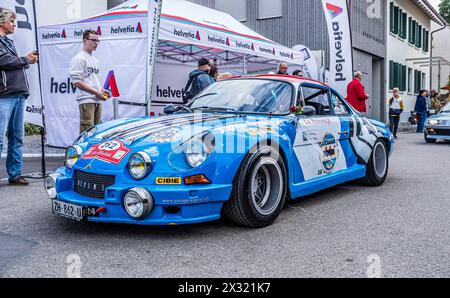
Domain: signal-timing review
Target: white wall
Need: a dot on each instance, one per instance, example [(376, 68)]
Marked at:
[(441, 48), (399, 50), (52, 12)]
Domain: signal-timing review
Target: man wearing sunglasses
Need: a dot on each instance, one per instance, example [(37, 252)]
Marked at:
[(84, 73)]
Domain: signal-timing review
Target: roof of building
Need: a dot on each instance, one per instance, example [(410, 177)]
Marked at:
[(431, 12)]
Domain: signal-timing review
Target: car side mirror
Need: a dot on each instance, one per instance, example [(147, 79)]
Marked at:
[(309, 111), (169, 109)]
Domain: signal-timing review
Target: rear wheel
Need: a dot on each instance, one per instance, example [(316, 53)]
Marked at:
[(378, 165), (259, 192)]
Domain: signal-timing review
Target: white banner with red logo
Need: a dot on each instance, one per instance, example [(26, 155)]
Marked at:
[(123, 70), (25, 41), (128, 51), (339, 32)]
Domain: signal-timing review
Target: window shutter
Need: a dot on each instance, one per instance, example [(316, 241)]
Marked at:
[(392, 23), (391, 75), (396, 20)]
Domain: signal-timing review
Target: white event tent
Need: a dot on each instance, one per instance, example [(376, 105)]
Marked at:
[(187, 33)]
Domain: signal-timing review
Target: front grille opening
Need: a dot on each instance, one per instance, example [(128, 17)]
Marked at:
[(92, 185), (172, 210)]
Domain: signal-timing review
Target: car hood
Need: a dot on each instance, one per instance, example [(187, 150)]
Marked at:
[(176, 128), (440, 116)]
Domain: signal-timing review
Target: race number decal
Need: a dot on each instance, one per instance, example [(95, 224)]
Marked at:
[(110, 151)]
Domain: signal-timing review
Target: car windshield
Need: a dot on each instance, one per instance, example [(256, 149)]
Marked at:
[(251, 96), (446, 109)]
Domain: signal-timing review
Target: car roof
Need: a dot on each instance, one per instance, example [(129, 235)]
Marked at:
[(286, 78)]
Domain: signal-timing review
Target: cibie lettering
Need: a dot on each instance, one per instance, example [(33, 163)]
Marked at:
[(337, 35), (168, 180)]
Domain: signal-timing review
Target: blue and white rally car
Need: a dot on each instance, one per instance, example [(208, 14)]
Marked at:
[(239, 150)]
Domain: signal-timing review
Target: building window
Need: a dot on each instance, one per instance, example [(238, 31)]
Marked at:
[(236, 8), (423, 81), (426, 40), (418, 81), (270, 9), (397, 76), (410, 30), (419, 36), (403, 25)]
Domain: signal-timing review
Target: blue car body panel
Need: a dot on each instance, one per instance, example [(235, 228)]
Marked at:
[(316, 153)]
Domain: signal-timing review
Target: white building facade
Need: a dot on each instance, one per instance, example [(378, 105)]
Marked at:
[(441, 48), (53, 12), (409, 37)]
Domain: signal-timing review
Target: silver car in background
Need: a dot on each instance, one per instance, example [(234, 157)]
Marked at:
[(437, 127)]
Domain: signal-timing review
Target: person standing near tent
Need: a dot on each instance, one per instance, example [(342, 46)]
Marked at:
[(199, 79), (13, 92), (84, 73), (283, 69)]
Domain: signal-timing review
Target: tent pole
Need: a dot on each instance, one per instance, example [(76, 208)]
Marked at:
[(244, 65), (43, 128)]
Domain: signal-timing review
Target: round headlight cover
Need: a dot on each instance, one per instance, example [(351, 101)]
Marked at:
[(196, 153), (139, 165), (72, 155), (50, 185), (138, 203)]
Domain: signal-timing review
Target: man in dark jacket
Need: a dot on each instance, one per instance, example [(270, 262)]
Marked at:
[(199, 79), (421, 109), (13, 92)]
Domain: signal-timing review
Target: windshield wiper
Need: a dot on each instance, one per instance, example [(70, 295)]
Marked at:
[(224, 109), (204, 95)]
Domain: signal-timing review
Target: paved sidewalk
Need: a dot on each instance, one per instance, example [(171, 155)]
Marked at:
[(32, 148)]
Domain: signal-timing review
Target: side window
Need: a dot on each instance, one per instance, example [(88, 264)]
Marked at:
[(340, 109), (317, 98)]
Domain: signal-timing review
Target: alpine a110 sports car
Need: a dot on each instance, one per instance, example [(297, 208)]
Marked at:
[(437, 127), (239, 150)]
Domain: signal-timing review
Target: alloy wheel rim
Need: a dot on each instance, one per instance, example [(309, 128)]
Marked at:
[(266, 186), (380, 160)]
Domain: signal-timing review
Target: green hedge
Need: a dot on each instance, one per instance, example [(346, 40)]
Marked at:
[(32, 130)]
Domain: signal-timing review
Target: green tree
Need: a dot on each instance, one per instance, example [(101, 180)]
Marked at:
[(444, 9)]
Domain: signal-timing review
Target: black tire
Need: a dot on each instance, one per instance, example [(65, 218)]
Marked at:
[(376, 172), (428, 140), (241, 208)]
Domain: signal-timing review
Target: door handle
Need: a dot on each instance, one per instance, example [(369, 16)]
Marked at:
[(344, 133)]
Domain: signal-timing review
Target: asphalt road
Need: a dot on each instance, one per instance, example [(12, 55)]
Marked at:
[(397, 230)]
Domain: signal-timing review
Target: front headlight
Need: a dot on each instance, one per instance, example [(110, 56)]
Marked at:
[(138, 203), (72, 155), (50, 185), (433, 122), (139, 165), (196, 153)]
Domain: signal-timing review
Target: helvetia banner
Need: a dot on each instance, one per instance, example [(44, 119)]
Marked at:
[(154, 18), (25, 41), (341, 58)]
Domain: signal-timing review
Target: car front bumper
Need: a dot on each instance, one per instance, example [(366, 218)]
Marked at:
[(438, 132), (173, 205)]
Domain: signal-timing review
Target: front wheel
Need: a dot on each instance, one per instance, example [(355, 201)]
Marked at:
[(378, 165), (259, 191), (428, 140)]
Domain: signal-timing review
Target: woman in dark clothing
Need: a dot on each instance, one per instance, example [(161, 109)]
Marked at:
[(421, 109)]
